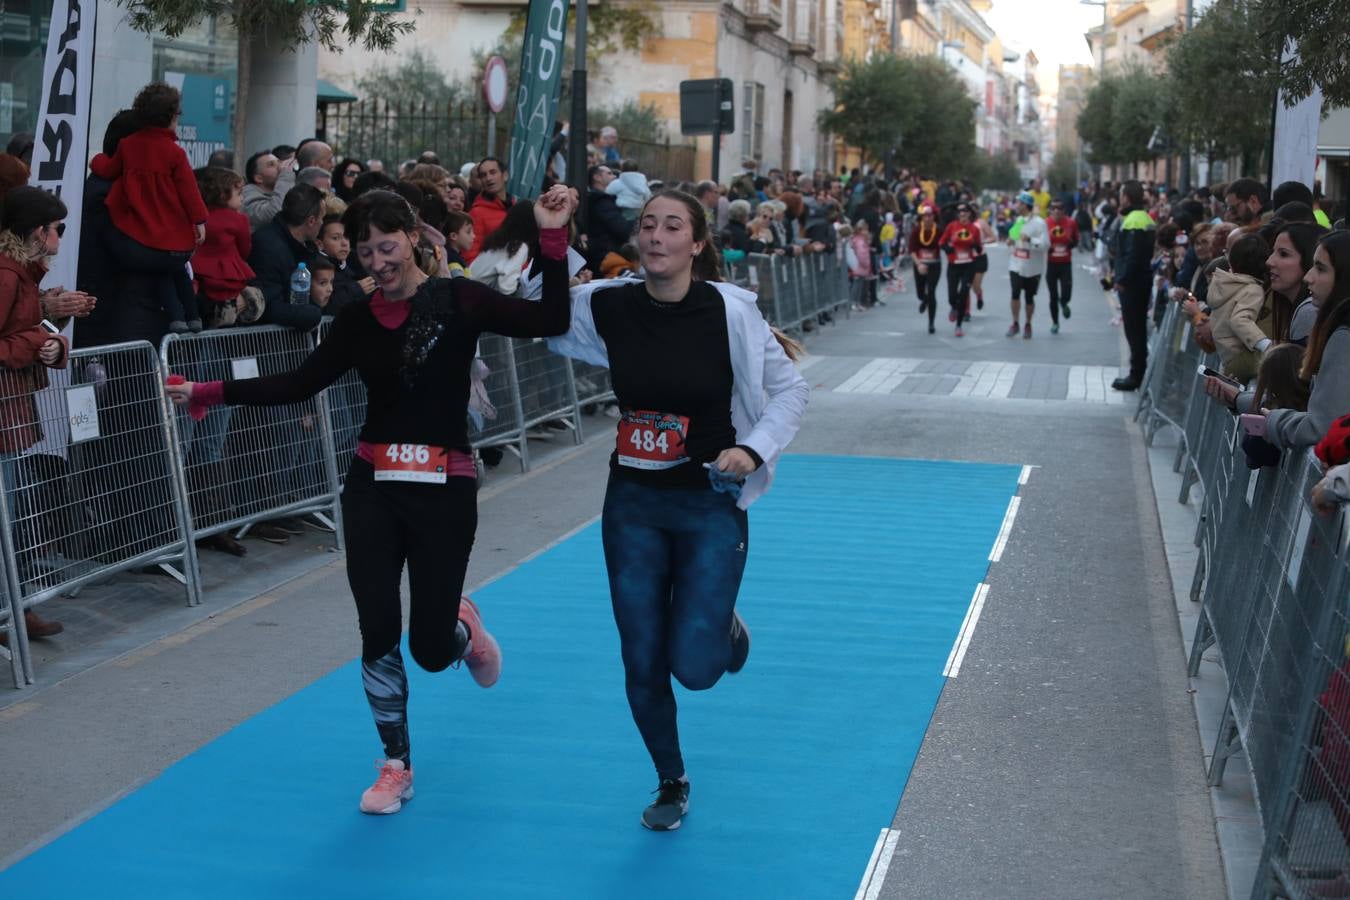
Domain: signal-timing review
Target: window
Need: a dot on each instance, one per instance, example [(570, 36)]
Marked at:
[(752, 121), (23, 46), (201, 63)]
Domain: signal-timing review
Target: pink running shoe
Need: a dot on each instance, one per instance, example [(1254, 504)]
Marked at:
[(485, 657), (387, 794)]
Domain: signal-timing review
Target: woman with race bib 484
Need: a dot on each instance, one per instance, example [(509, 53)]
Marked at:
[(708, 398)]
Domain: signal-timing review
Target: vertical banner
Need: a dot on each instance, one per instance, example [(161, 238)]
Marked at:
[(537, 96), (1293, 154), (61, 145), (60, 157)]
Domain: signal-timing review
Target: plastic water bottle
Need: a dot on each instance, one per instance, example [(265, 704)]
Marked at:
[(300, 279)]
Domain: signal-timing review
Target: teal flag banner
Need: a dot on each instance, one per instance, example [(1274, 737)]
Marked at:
[(537, 96)]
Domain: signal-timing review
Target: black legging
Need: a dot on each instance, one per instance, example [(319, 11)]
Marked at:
[(1059, 281), (926, 287), (959, 276), (431, 528)]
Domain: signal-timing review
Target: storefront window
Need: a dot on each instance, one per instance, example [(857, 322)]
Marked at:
[(23, 44), (201, 63)]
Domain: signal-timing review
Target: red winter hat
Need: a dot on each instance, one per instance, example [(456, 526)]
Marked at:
[(1334, 448)]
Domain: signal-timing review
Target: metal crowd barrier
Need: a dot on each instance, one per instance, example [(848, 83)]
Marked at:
[(1273, 583), (247, 464), (90, 483)]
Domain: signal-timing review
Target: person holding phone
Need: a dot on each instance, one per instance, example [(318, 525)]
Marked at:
[(697, 442), (1326, 363), (31, 227), (411, 493)]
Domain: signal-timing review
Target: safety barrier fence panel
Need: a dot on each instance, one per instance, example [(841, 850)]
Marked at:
[(1273, 583), (246, 464), (89, 481)]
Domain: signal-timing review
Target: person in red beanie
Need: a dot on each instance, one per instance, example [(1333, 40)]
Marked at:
[(154, 201)]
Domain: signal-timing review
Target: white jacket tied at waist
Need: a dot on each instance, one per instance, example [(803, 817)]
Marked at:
[(768, 394)]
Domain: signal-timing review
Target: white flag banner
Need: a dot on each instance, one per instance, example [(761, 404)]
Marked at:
[(1295, 147), (60, 158), (61, 145)]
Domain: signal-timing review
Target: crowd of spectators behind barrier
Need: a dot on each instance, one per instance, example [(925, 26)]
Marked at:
[(1263, 278)]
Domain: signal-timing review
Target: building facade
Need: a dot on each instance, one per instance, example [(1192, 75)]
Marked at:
[(201, 62), (778, 55)]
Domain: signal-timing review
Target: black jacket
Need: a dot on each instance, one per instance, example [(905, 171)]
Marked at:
[(606, 227), (275, 256), (345, 289)]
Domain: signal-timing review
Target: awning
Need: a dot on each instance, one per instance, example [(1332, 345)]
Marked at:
[(331, 93)]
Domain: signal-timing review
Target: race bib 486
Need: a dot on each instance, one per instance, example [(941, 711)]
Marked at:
[(651, 440), (417, 463)]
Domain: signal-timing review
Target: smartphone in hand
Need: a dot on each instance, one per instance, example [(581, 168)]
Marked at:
[(1255, 425), (1207, 372), (48, 327)]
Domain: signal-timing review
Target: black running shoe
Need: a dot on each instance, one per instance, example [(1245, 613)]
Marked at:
[(668, 810), (1064, 308), (740, 644)]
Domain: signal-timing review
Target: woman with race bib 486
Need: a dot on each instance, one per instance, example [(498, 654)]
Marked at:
[(411, 494)]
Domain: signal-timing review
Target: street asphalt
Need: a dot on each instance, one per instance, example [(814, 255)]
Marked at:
[(1063, 761)]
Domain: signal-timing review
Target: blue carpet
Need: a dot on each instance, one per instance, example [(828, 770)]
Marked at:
[(860, 574)]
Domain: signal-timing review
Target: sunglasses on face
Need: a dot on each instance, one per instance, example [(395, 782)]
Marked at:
[(60, 229), (351, 173)]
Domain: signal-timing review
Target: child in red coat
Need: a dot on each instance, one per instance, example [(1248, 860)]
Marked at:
[(155, 203), (220, 263)]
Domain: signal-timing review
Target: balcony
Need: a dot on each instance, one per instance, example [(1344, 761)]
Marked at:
[(764, 15), (802, 24), (831, 58)]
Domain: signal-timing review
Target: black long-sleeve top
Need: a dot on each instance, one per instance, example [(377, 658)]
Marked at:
[(416, 374)]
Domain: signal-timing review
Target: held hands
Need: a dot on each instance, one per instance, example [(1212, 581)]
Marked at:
[(367, 285), (181, 393), (554, 209), (736, 461), (51, 351)]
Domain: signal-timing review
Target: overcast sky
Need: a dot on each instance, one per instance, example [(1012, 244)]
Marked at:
[(1052, 28)]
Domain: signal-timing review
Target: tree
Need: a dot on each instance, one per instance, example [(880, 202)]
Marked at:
[(987, 172), (1141, 107), (1121, 114), (1318, 30), (274, 26), (1094, 121), (410, 107), (1224, 82), (640, 121), (1062, 173), (911, 109)]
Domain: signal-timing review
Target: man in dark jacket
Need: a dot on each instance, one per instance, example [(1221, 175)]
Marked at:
[(606, 228), (281, 246), (1133, 279)]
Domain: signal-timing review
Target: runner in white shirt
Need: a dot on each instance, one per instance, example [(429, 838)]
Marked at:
[(1030, 243)]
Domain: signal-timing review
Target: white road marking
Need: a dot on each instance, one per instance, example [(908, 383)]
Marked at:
[(967, 632), (1077, 383), (875, 876), (860, 376), (1006, 530), (1025, 476)]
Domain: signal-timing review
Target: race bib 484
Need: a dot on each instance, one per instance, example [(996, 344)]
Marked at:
[(651, 440)]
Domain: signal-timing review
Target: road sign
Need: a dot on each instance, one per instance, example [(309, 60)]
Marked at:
[(494, 84)]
